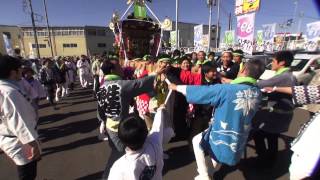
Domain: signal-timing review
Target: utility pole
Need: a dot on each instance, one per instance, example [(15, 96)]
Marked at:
[(177, 19), (230, 23), (218, 25), (34, 29), (48, 28), (210, 28)]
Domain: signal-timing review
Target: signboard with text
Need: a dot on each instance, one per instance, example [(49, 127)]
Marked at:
[(246, 6), (245, 32)]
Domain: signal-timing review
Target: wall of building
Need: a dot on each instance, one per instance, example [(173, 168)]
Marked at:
[(99, 39), (16, 37)]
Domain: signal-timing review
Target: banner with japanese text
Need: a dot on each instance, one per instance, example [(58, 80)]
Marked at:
[(313, 36), (246, 6), (245, 32), (198, 33), (7, 43), (229, 37), (173, 36)]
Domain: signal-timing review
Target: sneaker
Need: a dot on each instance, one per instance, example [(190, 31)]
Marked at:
[(202, 177), (57, 99)]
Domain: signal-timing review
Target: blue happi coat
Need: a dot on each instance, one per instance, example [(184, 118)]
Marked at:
[(235, 105)]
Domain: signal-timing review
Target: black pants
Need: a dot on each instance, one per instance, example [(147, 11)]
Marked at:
[(28, 171), (266, 156), (96, 84), (117, 150)]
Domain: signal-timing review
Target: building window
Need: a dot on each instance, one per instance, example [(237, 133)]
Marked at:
[(72, 45), (101, 32), (92, 32), (102, 45), (40, 46)]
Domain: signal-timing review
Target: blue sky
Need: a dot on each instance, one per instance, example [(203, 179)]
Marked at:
[(98, 12)]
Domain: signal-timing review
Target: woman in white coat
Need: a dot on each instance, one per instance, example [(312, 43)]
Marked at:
[(84, 71), (18, 136)]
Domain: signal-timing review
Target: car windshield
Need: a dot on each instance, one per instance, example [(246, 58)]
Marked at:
[(298, 64)]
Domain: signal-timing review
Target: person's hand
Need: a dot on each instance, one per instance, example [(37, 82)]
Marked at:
[(102, 128), (35, 151), (172, 87), (160, 70), (268, 89), (225, 80)]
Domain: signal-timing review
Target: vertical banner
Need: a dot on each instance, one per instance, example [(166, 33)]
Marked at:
[(198, 32), (259, 39), (205, 42), (313, 36), (269, 30), (229, 38), (7, 43), (245, 32), (173, 36)]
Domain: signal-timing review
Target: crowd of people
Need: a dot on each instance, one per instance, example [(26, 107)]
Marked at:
[(216, 104)]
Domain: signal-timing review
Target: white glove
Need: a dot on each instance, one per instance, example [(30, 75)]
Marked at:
[(102, 128)]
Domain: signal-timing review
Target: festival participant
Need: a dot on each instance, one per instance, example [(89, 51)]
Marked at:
[(18, 137), (274, 118), (144, 153), (186, 76), (71, 73), (235, 105), (61, 80), (114, 98), (226, 67), (95, 68), (201, 57), (28, 75), (47, 78), (142, 101), (203, 112), (304, 148), (84, 71), (211, 56), (194, 58)]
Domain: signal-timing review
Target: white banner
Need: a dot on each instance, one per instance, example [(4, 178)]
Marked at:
[(197, 40), (245, 32), (313, 36), (7, 43)]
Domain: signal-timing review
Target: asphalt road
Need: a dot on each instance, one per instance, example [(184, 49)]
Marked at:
[(72, 150)]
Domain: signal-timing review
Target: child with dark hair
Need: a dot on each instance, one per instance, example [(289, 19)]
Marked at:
[(114, 99), (144, 153)]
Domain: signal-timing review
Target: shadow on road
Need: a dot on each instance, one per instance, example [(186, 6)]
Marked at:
[(179, 157), (94, 176), (58, 117), (251, 170), (64, 130), (66, 147)]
